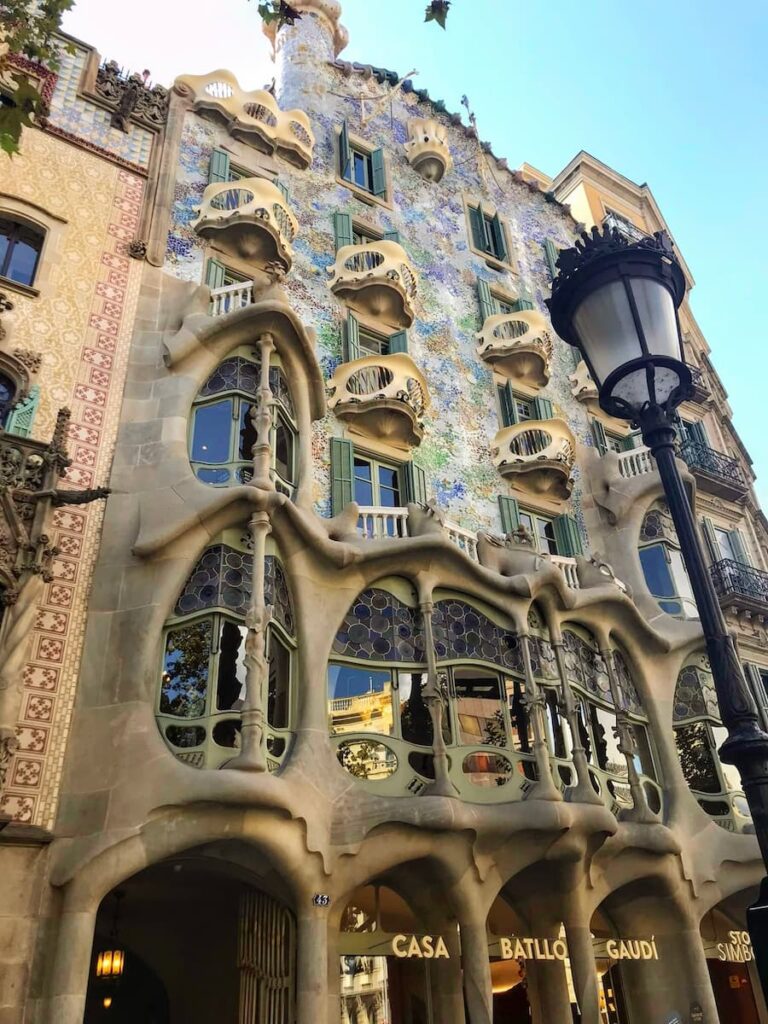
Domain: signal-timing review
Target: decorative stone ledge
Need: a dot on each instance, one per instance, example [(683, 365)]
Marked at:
[(427, 148), (538, 456), (384, 397), (250, 219), (518, 345), (376, 279), (254, 117)]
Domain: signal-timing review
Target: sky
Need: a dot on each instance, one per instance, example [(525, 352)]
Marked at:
[(669, 92)]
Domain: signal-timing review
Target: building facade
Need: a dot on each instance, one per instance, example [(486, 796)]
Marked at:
[(374, 692)]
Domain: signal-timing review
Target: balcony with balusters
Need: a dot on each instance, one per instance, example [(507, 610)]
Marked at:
[(741, 587), (376, 280), (715, 472), (537, 456), (249, 219), (518, 345), (382, 397)]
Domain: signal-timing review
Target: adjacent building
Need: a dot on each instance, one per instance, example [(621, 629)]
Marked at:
[(373, 691)]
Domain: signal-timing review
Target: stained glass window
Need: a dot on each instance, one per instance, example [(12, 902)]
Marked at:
[(585, 667), (379, 627), (462, 631), (695, 695), (626, 684)]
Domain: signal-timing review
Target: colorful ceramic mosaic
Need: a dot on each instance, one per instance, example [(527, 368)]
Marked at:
[(463, 419), (378, 627)]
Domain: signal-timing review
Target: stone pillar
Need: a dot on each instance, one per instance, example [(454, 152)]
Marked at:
[(548, 992), (314, 1002), (583, 971), (477, 971), (435, 697), (583, 792), (544, 788), (446, 981), (71, 963), (313, 41)]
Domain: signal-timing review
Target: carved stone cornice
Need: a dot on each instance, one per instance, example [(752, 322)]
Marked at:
[(130, 97)]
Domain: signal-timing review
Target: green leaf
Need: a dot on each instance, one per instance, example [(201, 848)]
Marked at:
[(437, 11)]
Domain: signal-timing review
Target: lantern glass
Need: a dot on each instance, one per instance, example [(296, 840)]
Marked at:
[(656, 309), (606, 331)]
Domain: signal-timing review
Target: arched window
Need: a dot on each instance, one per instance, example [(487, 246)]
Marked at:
[(20, 246), (222, 433), (590, 683), (698, 734), (376, 687), (7, 398), (203, 674), (663, 566)]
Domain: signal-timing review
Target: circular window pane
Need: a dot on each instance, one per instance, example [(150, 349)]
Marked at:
[(185, 735), (367, 759), (213, 476), (487, 769), (227, 733)]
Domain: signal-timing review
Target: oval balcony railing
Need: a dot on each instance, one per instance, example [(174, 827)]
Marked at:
[(249, 219), (376, 279), (231, 297), (255, 117), (518, 345), (538, 455), (427, 148), (384, 397)]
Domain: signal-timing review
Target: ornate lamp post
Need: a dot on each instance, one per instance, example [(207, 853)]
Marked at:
[(617, 302)]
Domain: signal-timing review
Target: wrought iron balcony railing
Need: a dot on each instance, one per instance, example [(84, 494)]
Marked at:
[(724, 471), (734, 580), (624, 227)]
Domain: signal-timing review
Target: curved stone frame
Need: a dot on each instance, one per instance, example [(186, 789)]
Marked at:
[(737, 817), (525, 354), (667, 537), (283, 408), (203, 754), (545, 472)]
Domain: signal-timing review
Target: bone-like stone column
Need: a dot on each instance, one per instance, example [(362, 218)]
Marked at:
[(544, 788), (313, 1005), (434, 698), (583, 792), (583, 970), (477, 971)]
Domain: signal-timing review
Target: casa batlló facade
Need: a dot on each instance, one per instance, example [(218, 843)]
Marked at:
[(373, 691)]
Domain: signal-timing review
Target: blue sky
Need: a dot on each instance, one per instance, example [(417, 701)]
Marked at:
[(671, 93)]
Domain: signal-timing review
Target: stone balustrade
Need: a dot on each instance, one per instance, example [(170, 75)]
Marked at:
[(254, 117), (249, 219), (376, 279), (518, 345), (427, 148), (231, 297), (538, 455), (384, 397)]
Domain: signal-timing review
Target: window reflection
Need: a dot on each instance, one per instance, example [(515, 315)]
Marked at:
[(185, 672), (478, 708), (415, 721), (522, 732), (230, 683), (279, 683), (359, 700)]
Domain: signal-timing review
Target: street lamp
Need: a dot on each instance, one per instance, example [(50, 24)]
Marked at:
[(616, 301)]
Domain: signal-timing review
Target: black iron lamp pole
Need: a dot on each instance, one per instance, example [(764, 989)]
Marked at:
[(617, 302)]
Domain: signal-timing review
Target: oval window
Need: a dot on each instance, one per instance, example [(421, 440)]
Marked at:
[(487, 769), (185, 735), (367, 759)]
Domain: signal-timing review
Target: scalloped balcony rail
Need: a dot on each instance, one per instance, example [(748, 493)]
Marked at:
[(254, 117), (384, 397), (518, 345), (384, 523), (376, 279), (249, 218), (231, 297), (538, 455), (427, 148)]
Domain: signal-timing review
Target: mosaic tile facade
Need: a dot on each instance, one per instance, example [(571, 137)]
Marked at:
[(82, 322), (463, 419)]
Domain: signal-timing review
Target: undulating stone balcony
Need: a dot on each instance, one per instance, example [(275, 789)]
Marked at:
[(715, 472), (519, 345), (427, 148), (377, 280), (383, 397), (249, 219), (740, 587), (538, 456), (254, 117)]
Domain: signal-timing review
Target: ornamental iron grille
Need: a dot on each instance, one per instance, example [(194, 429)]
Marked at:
[(701, 457), (736, 579)]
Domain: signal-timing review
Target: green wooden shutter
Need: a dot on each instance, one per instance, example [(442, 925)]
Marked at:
[(342, 229), (499, 238), (630, 442), (598, 433), (218, 168), (214, 274), (345, 153), (351, 338), (507, 405), (542, 408), (415, 481), (697, 433), (283, 188), (342, 474), (398, 342), (711, 539), (476, 224), (484, 297), (510, 514), (739, 549), (524, 302), (379, 184), (551, 253), (567, 536), (22, 417), (392, 236)]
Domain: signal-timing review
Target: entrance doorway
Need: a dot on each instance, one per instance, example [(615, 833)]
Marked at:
[(733, 993), (190, 941)]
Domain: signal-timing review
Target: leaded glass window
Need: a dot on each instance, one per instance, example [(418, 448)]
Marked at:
[(663, 568)]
